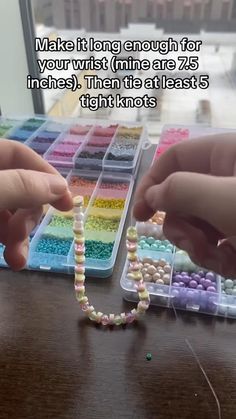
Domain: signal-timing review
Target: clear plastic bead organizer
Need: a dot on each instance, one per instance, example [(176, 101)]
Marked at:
[(80, 143), (171, 278), (100, 160), (106, 200)]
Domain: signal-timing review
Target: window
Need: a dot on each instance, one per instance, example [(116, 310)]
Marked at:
[(210, 21), (234, 10), (187, 10), (160, 10), (102, 16), (207, 11), (150, 9), (197, 11), (225, 10), (169, 9)]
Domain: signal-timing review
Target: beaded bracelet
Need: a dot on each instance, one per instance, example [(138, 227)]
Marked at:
[(135, 268)]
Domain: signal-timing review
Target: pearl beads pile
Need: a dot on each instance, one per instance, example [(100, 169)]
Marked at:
[(158, 271), (228, 286), (134, 266)]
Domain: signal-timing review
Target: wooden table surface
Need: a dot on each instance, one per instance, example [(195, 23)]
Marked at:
[(56, 364)]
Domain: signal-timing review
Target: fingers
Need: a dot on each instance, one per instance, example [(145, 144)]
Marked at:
[(15, 155), (204, 253), (17, 254), (209, 198), (215, 154), (185, 236), (27, 188)]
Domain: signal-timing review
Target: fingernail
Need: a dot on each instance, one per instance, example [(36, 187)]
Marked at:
[(57, 184)]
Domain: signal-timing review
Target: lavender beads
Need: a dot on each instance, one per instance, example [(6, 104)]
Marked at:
[(199, 280)]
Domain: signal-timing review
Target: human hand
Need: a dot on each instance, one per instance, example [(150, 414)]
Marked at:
[(194, 183), (27, 182)]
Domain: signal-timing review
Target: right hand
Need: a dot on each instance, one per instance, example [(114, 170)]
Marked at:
[(194, 183)]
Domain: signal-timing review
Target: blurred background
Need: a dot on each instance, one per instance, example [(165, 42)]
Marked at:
[(212, 21)]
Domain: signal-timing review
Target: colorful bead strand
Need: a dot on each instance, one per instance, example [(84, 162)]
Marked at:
[(134, 269)]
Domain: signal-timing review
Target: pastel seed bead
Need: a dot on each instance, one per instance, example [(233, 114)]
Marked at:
[(118, 320), (123, 318), (143, 295), (80, 258), (93, 316), (142, 307), (99, 317), (132, 257), (137, 276), (131, 248), (141, 287), (83, 300), (79, 240), (105, 320), (135, 266), (80, 289)]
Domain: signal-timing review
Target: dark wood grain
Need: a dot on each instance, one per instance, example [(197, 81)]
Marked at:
[(56, 364)]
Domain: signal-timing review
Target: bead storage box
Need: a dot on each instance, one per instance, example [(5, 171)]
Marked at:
[(87, 144), (106, 198), (99, 160), (171, 278), (175, 134), (114, 147)]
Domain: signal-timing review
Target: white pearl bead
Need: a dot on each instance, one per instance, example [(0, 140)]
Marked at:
[(147, 260), (161, 272), (160, 281), (167, 268), (162, 262), (151, 270), (147, 277), (166, 279), (155, 263), (156, 276)]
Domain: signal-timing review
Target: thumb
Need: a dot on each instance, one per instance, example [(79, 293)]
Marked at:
[(27, 188), (209, 198)]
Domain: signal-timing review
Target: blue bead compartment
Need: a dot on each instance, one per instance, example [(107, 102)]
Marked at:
[(219, 299), (51, 247)]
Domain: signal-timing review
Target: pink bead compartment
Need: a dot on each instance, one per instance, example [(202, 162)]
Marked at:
[(170, 137)]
